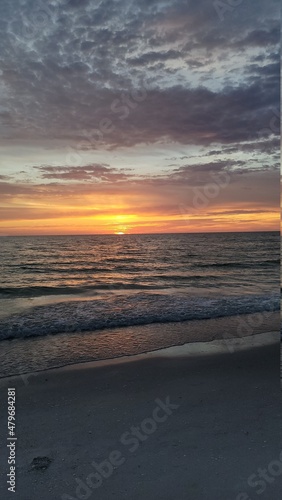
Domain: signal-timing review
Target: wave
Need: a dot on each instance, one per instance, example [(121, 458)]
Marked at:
[(34, 291), (246, 265), (118, 310)]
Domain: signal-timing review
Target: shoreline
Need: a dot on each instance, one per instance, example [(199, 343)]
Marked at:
[(35, 354), (187, 350)]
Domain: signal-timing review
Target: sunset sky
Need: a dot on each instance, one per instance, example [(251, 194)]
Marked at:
[(138, 116)]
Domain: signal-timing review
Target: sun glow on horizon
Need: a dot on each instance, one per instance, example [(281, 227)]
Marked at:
[(131, 216)]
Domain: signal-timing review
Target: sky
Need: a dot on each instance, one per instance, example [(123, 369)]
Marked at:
[(133, 116)]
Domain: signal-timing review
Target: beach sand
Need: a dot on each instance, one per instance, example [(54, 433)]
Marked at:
[(223, 426)]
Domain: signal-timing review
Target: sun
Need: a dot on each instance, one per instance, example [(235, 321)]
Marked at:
[(121, 229)]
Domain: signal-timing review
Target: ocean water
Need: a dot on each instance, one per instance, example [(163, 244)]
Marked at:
[(67, 285)]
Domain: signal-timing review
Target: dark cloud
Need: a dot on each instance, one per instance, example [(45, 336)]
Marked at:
[(269, 146), (94, 173), (64, 64), (105, 177), (188, 116), (152, 57), (261, 37)]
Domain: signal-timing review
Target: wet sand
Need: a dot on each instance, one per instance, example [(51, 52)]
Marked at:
[(223, 426)]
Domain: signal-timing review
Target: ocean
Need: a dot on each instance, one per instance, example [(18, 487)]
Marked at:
[(75, 291)]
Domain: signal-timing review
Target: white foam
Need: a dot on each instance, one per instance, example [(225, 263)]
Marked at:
[(128, 310)]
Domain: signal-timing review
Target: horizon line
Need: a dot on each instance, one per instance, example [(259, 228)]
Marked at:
[(136, 234)]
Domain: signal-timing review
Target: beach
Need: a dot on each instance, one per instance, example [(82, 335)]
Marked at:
[(145, 367), (174, 424), (140, 250)]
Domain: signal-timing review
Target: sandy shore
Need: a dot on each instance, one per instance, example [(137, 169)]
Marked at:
[(27, 355), (170, 426)]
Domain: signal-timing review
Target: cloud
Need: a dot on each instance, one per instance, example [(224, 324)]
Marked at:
[(261, 37), (153, 57), (68, 182), (110, 81), (94, 173), (82, 59)]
